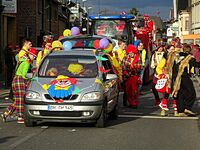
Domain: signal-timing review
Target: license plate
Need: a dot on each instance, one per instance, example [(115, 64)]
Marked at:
[(60, 107)]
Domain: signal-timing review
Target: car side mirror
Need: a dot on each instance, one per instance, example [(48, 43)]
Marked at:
[(111, 76)]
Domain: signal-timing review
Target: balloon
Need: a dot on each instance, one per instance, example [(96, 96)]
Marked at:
[(96, 44), (108, 49), (91, 44), (56, 44), (60, 37), (67, 45), (75, 31), (103, 43), (66, 32)]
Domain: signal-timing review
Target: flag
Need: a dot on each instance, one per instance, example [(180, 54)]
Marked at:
[(158, 12)]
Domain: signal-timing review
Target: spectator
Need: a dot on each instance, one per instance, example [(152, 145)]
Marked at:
[(10, 63)]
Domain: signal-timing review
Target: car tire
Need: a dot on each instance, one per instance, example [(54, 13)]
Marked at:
[(101, 121), (28, 122)]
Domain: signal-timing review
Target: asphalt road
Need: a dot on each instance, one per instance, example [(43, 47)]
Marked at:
[(135, 129)]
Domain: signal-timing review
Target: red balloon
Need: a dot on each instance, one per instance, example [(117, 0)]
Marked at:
[(96, 44)]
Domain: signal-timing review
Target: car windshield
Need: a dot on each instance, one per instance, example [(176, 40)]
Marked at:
[(110, 28), (72, 66)]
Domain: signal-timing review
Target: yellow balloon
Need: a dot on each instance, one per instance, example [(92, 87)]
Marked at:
[(66, 32), (56, 44), (109, 48)]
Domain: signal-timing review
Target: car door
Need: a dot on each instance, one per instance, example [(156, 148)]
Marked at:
[(111, 85)]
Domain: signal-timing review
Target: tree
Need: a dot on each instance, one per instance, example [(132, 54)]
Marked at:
[(134, 11)]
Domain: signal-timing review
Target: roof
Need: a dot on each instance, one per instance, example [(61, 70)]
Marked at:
[(112, 17), (79, 51), (158, 22)]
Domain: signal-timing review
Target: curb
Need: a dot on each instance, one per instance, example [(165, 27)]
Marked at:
[(4, 104)]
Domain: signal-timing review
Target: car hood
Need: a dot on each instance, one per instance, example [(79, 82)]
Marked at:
[(84, 84)]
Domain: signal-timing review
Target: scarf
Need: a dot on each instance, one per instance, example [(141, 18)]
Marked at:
[(183, 64)]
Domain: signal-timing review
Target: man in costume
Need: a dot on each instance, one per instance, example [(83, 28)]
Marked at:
[(183, 88), (19, 85), (131, 66)]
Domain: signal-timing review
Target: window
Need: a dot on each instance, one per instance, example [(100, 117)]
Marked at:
[(73, 66), (188, 41), (187, 24), (110, 28)]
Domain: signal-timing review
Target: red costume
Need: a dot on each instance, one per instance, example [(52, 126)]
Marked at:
[(131, 65)]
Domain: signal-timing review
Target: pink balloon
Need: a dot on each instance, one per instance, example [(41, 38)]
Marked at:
[(75, 31)]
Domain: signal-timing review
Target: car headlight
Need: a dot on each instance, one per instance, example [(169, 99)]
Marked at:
[(92, 96), (32, 95)]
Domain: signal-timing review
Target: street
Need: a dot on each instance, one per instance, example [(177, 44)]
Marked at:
[(135, 129)]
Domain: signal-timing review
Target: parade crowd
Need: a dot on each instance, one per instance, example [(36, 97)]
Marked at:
[(173, 64)]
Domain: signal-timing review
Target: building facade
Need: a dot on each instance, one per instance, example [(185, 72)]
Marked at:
[(195, 16), (32, 19), (184, 22)]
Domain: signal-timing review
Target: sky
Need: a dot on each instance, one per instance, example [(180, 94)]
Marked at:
[(144, 6)]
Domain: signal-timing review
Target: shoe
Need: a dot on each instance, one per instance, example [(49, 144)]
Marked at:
[(175, 113), (3, 116), (189, 112), (163, 113), (163, 107), (182, 115), (20, 120)]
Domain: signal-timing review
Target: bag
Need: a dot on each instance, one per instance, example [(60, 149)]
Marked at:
[(161, 84)]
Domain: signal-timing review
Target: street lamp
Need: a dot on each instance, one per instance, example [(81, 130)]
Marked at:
[(88, 10)]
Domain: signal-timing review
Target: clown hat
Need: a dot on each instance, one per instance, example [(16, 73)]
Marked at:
[(62, 77), (131, 48)]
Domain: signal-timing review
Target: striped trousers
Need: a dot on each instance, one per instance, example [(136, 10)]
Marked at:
[(19, 89)]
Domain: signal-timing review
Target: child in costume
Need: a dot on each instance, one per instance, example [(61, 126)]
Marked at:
[(165, 68), (47, 48), (155, 60)]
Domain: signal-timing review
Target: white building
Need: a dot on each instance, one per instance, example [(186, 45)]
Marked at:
[(195, 18)]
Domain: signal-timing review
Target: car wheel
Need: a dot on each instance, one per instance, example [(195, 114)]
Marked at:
[(101, 122), (29, 122)]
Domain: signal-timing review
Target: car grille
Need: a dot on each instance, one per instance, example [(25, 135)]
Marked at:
[(61, 113), (70, 97)]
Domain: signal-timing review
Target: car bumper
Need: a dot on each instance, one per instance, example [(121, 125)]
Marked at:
[(65, 112)]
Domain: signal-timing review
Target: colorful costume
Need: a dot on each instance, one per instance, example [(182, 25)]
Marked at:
[(155, 60), (165, 68), (19, 86), (183, 88), (131, 65)]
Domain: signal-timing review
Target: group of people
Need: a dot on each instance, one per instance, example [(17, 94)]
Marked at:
[(24, 65), (132, 59), (175, 63)]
